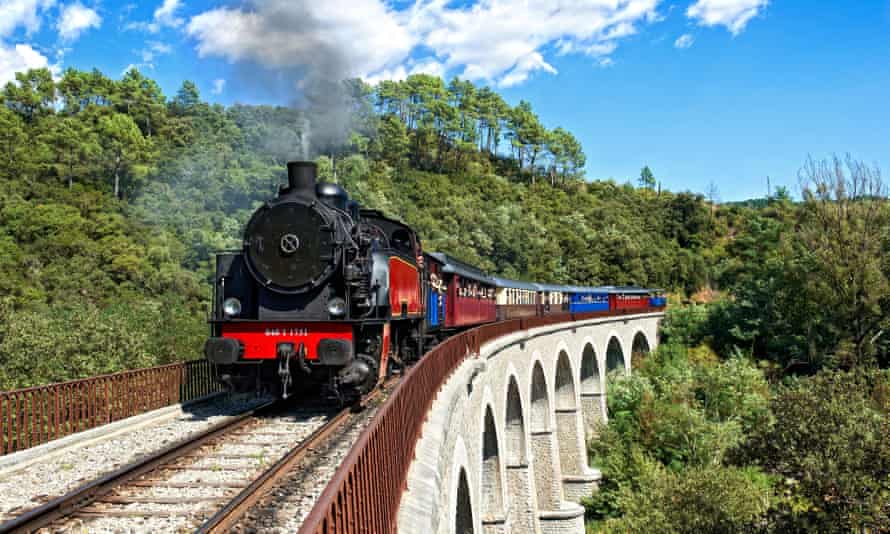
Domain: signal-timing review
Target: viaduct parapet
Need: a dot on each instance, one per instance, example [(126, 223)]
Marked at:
[(503, 449)]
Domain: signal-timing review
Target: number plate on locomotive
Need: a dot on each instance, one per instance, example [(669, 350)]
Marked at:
[(289, 332)]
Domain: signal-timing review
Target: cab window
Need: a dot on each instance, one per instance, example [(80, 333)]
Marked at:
[(401, 241)]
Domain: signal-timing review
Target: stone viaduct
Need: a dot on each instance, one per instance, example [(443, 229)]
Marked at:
[(504, 447)]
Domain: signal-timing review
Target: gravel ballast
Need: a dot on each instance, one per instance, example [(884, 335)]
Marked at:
[(41, 481)]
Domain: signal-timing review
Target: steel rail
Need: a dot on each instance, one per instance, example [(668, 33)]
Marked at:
[(63, 506), (237, 508)]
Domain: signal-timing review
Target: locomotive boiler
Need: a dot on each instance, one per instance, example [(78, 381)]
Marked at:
[(321, 293)]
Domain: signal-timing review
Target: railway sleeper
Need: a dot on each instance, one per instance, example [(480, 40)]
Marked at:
[(159, 483), (121, 499)]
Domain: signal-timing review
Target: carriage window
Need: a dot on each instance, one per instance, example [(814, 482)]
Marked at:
[(401, 241)]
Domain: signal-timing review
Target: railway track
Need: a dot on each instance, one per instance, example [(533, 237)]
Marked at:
[(206, 482)]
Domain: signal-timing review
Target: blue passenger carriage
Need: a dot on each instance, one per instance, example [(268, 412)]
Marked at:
[(589, 299)]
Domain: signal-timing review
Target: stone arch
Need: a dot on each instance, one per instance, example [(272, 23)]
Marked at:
[(593, 405), (615, 355), (565, 383), (492, 485), (540, 417), (520, 515), (514, 429), (463, 512), (591, 382), (548, 490), (570, 446), (639, 347)]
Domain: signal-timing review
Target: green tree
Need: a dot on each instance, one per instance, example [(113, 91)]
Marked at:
[(32, 95), (123, 146), (141, 98), (647, 179), (79, 90), (527, 136), (567, 154), (74, 145), (12, 137), (187, 98), (842, 228)]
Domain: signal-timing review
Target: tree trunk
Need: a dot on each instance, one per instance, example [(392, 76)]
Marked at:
[(117, 177)]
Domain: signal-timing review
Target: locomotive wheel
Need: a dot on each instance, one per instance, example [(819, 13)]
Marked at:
[(373, 375)]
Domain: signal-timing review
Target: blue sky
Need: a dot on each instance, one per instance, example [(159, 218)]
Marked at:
[(722, 91)]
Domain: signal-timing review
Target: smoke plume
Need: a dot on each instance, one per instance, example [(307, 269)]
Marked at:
[(301, 53)]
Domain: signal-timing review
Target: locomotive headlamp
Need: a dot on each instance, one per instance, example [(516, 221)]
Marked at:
[(232, 307), (337, 307)]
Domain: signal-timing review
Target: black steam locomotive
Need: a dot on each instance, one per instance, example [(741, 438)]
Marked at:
[(320, 291)]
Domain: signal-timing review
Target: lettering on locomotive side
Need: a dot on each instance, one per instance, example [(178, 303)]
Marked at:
[(290, 332)]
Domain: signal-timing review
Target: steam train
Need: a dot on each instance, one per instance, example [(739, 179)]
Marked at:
[(327, 294)]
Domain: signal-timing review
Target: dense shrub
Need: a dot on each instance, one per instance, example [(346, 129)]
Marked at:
[(830, 446), (714, 499), (66, 341), (672, 426)]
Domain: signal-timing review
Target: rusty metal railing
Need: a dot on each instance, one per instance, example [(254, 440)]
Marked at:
[(364, 494), (40, 414)]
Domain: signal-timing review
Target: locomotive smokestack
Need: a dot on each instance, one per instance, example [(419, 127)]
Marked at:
[(301, 177)]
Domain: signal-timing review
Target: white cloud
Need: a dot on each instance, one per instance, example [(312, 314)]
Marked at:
[(159, 47), (684, 41), (524, 68), (427, 66), (218, 86), (27, 13), (18, 58), (166, 14), (154, 49), (601, 49), (76, 19), (734, 14), (500, 41)]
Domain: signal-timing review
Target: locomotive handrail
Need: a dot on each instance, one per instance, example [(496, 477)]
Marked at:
[(365, 492)]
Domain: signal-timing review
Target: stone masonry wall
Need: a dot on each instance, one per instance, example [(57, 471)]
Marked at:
[(452, 437)]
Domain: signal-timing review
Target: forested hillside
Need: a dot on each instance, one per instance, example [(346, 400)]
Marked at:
[(114, 196)]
